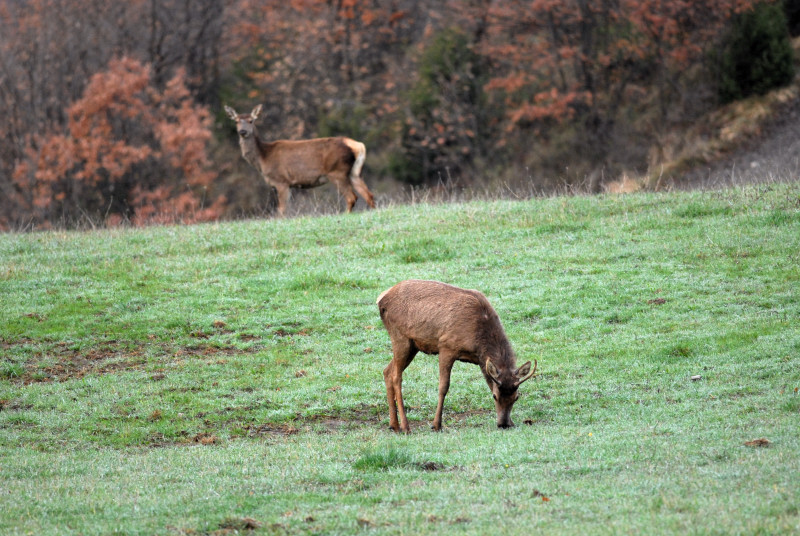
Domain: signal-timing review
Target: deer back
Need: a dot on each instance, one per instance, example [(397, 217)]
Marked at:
[(433, 314), (303, 160)]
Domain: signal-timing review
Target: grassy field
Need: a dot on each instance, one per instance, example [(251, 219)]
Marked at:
[(227, 378)]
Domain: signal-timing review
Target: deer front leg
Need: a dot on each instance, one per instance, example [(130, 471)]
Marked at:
[(446, 361), (342, 182), (388, 372), (283, 197)]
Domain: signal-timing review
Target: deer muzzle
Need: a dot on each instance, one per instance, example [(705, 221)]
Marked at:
[(505, 424), (504, 417)]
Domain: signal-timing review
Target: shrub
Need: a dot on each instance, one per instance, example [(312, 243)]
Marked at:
[(792, 10), (445, 128), (757, 56)]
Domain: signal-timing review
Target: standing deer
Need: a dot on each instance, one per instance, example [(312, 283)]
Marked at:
[(457, 324), (288, 164)]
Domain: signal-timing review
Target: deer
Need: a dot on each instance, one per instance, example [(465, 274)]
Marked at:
[(286, 164), (457, 324)]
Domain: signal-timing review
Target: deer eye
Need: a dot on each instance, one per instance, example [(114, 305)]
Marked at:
[(494, 396)]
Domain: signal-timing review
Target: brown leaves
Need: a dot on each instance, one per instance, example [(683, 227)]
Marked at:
[(121, 123), (537, 493), (553, 45), (205, 439), (758, 443)]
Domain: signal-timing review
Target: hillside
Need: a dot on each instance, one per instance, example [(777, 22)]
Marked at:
[(227, 378), (771, 154), (117, 117), (752, 141)]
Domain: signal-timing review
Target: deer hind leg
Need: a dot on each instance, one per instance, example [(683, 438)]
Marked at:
[(403, 353), (345, 188), (363, 191), (360, 154)]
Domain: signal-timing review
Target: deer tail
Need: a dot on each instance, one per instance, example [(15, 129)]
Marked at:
[(360, 152)]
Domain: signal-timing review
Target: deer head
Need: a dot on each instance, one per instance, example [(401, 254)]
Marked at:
[(504, 386), (245, 124)]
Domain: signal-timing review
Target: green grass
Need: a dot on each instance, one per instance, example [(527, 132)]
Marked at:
[(227, 378)]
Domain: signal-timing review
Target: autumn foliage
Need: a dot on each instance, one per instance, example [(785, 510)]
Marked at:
[(126, 149), (112, 110)]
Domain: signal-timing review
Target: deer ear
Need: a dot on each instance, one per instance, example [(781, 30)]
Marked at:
[(492, 371), (255, 112), (231, 113), (524, 372)]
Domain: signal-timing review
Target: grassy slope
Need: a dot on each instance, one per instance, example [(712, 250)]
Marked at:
[(182, 379)]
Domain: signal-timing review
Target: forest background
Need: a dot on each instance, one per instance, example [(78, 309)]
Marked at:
[(112, 111)]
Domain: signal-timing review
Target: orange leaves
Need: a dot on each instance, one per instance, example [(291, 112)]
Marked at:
[(510, 84), (549, 105), (96, 154), (124, 131), (678, 30), (114, 90), (590, 51), (183, 130)]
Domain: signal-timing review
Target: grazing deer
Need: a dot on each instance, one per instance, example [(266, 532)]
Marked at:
[(288, 164), (457, 324)]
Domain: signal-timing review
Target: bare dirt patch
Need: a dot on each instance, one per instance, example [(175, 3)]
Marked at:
[(13, 405), (62, 362), (268, 429), (328, 423), (75, 363)]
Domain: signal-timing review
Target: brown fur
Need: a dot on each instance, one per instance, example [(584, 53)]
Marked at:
[(458, 325), (288, 164)]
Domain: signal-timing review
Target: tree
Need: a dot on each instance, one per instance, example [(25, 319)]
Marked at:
[(129, 151), (580, 62), (49, 52), (447, 123), (437, 90)]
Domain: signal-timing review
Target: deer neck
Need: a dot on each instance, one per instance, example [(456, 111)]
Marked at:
[(501, 354), (250, 150)]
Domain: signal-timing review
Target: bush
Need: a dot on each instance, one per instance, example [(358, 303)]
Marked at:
[(792, 10), (758, 54), (344, 119), (447, 123)]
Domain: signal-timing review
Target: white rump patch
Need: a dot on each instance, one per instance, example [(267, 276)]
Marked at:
[(360, 152)]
